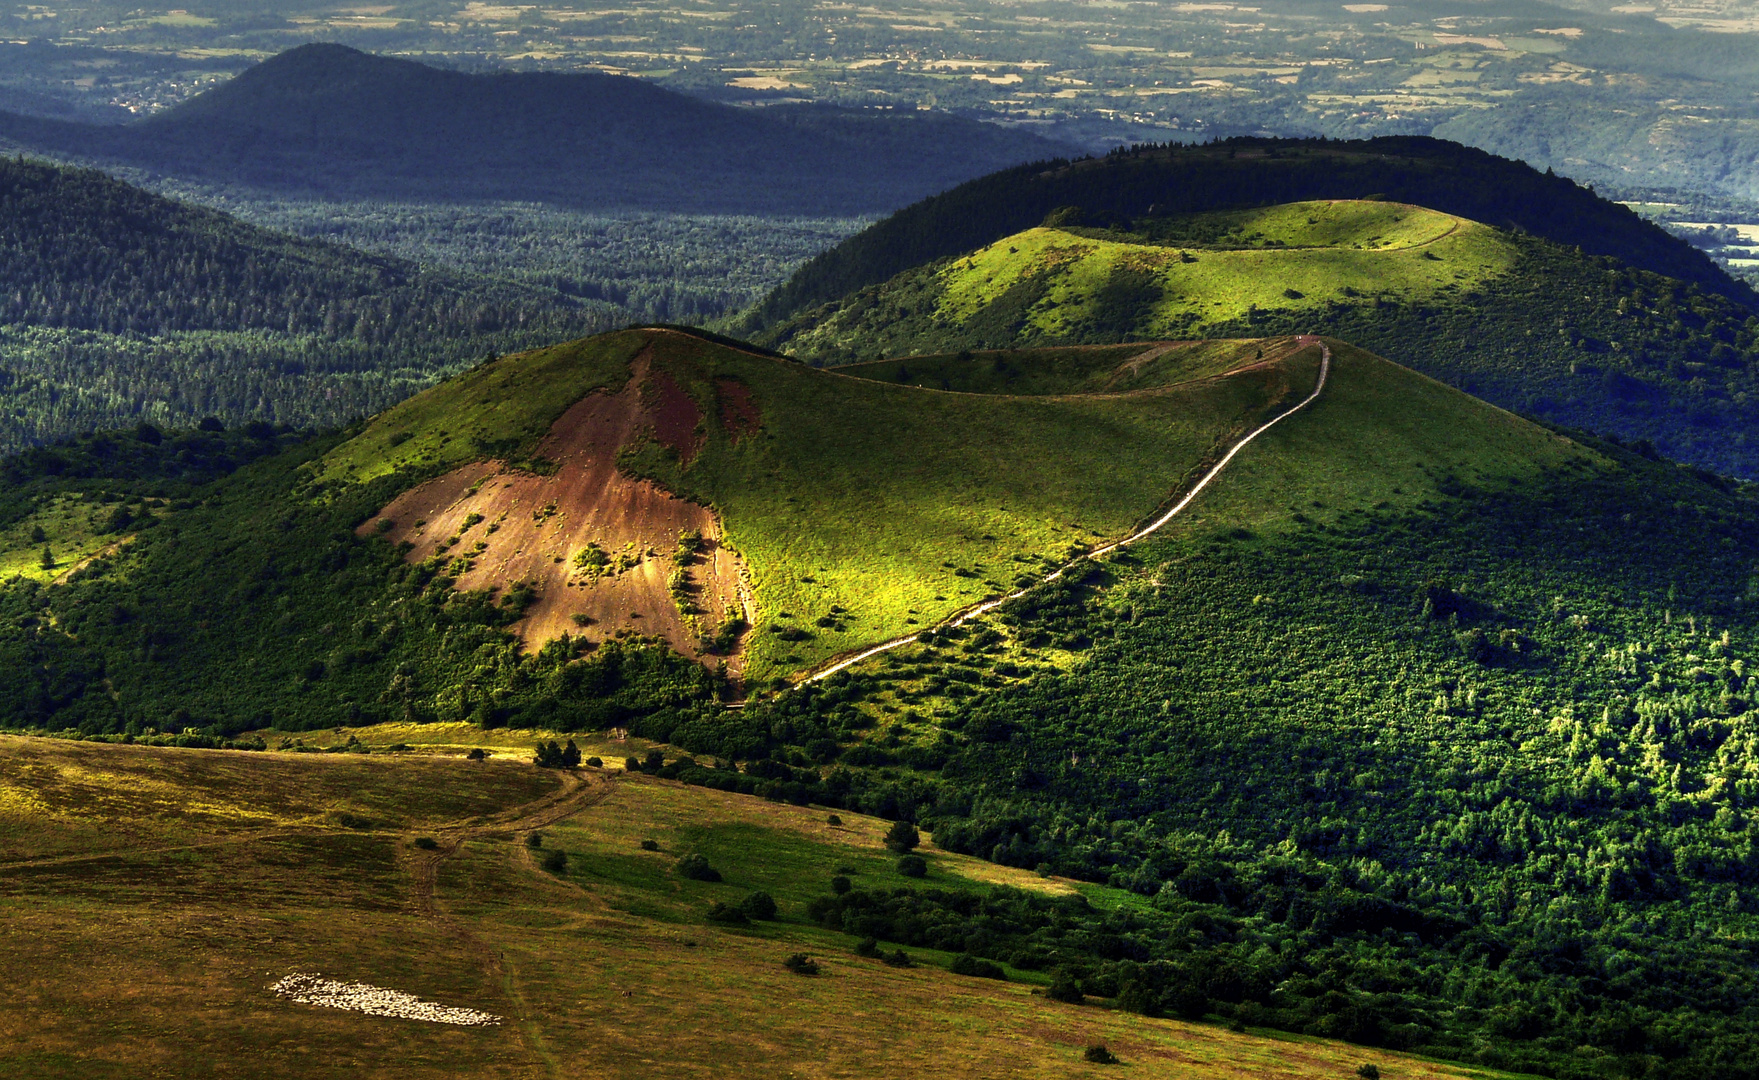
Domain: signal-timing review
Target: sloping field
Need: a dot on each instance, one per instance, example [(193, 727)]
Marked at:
[(158, 960), (1381, 435), (1080, 369), (854, 509), (1312, 250), (864, 508), (1163, 279)]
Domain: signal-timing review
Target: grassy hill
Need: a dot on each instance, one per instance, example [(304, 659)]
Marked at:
[(123, 307), (329, 119), (1232, 174), (1521, 321), (205, 877), (1447, 712), (1426, 726), (860, 509)]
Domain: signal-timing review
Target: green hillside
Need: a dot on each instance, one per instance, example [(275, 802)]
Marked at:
[(861, 508), (1520, 321), (1126, 186), (1425, 726), (1434, 725), (121, 306)]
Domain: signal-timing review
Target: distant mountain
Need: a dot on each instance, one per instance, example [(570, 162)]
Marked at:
[(326, 119), (120, 306), (1242, 173)]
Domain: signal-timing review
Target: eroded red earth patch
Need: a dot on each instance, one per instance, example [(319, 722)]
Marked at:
[(510, 526), (675, 416), (740, 415)]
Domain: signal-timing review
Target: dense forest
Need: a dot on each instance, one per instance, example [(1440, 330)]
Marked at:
[(658, 267), (120, 306), (1172, 180)]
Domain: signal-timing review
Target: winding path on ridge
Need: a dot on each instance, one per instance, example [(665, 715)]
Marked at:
[(962, 617)]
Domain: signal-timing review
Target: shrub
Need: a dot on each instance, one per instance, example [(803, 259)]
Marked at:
[(840, 885), (534, 840), (966, 964), (551, 756), (898, 959), (902, 837), (801, 964), (650, 845), (631, 764), (1099, 1055), (758, 905), (426, 843), (1139, 998), (867, 947), (697, 868), (476, 754), (722, 913), (1065, 988), (1368, 1072), (833, 820), (595, 762), (1190, 1003), (555, 861), (914, 866)]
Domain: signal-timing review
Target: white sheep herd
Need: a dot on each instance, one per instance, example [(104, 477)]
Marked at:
[(375, 1001)]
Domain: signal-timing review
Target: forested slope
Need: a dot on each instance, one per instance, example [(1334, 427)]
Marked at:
[(120, 306), (1234, 173)]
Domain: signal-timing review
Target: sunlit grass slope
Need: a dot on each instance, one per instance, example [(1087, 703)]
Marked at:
[(1070, 370), (1405, 251), (199, 878), (1163, 279), (865, 509), (497, 409), (1379, 436)]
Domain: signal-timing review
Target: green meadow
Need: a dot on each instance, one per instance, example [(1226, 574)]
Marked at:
[(151, 896)]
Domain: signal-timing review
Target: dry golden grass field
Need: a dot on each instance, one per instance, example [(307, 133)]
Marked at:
[(150, 897)]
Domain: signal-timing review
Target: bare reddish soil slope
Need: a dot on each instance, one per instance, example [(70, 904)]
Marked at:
[(739, 412), (533, 528)]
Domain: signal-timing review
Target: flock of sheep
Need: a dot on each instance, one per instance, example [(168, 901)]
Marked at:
[(375, 1001)]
